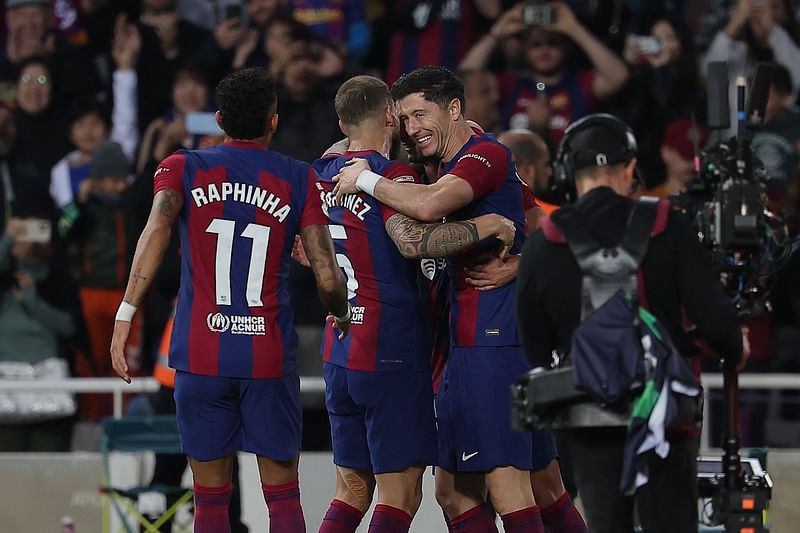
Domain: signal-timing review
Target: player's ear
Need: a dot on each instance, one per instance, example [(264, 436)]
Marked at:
[(218, 119), (273, 122), (390, 118), (454, 108), (343, 128)]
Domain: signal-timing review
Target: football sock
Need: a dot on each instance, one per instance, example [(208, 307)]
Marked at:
[(388, 519), (562, 516), (476, 520), (211, 509), (524, 520), (285, 513), (341, 518)]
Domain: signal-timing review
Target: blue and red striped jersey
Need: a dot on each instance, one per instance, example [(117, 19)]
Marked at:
[(440, 36), (569, 99), (243, 205), (388, 331), (485, 318)]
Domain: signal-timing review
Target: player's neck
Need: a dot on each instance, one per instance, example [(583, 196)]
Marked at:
[(366, 141), (263, 140), (456, 141)]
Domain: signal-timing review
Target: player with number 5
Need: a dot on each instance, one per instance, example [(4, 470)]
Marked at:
[(239, 207)]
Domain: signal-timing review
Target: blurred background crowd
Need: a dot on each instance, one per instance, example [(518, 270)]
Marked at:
[(94, 93)]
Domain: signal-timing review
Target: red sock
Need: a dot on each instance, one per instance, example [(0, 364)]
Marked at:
[(476, 520), (341, 518), (563, 517), (211, 509), (526, 520), (285, 513), (388, 519)]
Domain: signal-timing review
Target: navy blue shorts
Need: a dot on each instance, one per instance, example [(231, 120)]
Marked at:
[(544, 449), (218, 416), (380, 421), (473, 410)]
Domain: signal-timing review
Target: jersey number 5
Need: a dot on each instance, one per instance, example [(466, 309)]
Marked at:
[(224, 229), (338, 233)]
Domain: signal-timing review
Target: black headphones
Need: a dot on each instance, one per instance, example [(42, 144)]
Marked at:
[(563, 166)]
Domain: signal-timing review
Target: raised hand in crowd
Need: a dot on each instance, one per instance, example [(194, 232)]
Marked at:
[(230, 33), (127, 43), (740, 14), (245, 48), (510, 23)]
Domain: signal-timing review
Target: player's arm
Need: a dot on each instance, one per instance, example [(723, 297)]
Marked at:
[(428, 203), (415, 239), (150, 250), (330, 282)]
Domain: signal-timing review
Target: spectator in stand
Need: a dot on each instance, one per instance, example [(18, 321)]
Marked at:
[(38, 313), (308, 120), (190, 92), (276, 47), (481, 98), (777, 144), (41, 138), (342, 23), (261, 12), (663, 87), (33, 30), (105, 236), (680, 140), (168, 45), (756, 32), (89, 124), (554, 93), (430, 32)]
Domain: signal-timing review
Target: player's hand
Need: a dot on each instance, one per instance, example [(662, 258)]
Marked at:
[(342, 325), (493, 274), (348, 176), (299, 253), (122, 329), (505, 233)]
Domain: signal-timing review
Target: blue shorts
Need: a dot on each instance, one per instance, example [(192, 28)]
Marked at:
[(473, 410), (380, 422), (544, 449), (218, 416)]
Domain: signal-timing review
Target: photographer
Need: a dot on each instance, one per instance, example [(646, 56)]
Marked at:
[(678, 277), (553, 93)]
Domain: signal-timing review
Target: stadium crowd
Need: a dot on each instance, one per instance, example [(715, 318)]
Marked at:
[(94, 93)]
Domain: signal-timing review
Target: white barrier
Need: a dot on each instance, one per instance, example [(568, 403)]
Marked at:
[(117, 387), (310, 385)]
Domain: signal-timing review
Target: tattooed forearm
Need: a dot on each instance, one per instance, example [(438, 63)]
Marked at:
[(416, 239), (137, 285), (169, 203), (322, 257)]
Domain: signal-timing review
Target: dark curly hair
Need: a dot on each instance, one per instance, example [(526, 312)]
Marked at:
[(246, 100), (437, 84)]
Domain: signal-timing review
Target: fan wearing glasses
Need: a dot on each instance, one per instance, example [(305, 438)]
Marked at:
[(549, 93)]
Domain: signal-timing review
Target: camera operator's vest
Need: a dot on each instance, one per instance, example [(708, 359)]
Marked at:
[(606, 346), (621, 355)]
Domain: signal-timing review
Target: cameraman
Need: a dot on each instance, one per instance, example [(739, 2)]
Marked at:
[(678, 277)]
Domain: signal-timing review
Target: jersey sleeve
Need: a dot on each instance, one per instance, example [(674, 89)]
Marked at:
[(312, 208), (401, 173), (169, 174), (484, 166)]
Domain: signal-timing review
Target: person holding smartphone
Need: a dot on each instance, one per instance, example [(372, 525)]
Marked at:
[(553, 93)]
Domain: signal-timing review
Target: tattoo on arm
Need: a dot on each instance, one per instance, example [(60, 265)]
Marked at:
[(169, 203), (136, 281), (417, 239)]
